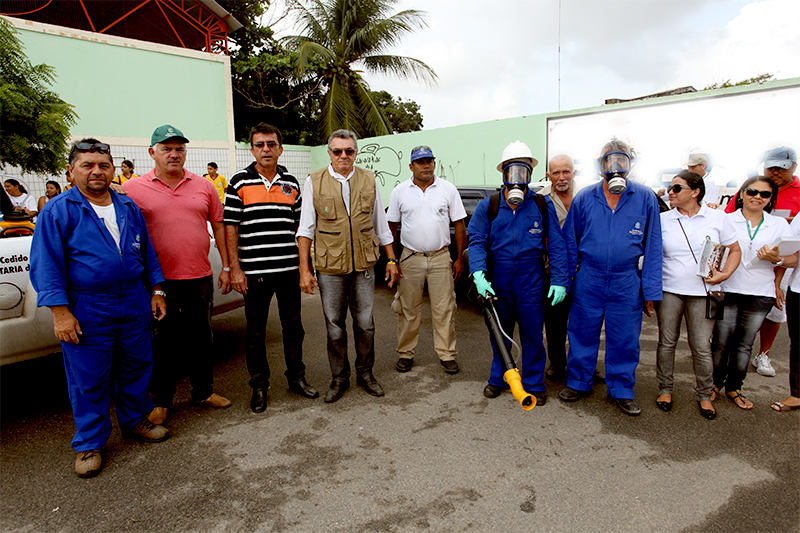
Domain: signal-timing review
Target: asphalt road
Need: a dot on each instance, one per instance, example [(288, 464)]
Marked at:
[(432, 455)]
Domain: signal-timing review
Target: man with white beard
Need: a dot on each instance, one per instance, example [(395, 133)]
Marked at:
[(561, 172)]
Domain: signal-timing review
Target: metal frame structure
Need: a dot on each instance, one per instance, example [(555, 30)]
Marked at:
[(179, 16)]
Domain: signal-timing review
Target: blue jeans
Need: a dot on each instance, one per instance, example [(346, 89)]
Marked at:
[(733, 338), (355, 291), (670, 311)]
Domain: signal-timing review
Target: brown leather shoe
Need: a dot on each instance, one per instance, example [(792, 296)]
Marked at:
[(215, 400), (88, 463), (146, 431), (158, 415)]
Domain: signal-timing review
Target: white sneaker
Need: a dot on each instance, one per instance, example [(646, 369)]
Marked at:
[(763, 365)]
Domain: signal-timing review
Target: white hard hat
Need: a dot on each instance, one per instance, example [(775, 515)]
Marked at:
[(516, 150)]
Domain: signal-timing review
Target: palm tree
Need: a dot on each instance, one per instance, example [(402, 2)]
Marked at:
[(339, 34)]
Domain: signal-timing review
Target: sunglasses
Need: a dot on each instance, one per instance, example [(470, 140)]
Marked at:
[(755, 192), (338, 151), (260, 144), (678, 188), (421, 147), (103, 148)]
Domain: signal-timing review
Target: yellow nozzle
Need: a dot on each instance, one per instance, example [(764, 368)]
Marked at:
[(512, 377)]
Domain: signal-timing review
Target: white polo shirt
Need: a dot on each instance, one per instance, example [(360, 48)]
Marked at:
[(425, 216), (759, 280), (680, 268)]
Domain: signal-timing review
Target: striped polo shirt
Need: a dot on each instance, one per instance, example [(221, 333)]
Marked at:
[(267, 217)]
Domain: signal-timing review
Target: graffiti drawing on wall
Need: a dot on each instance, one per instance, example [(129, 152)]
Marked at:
[(384, 161), (390, 168)]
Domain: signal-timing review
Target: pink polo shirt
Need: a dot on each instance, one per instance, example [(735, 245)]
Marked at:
[(177, 221)]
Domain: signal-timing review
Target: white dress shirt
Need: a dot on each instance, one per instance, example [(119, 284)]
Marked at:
[(680, 266)]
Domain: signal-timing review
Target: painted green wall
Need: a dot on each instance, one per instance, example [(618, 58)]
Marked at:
[(120, 91), (465, 155)]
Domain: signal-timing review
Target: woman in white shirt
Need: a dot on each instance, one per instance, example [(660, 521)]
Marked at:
[(750, 291), (23, 202), (684, 230)]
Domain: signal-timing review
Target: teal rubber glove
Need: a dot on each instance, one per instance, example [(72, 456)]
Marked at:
[(483, 286), (557, 293)]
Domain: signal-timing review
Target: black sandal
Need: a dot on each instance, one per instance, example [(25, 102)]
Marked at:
[(737, 395)]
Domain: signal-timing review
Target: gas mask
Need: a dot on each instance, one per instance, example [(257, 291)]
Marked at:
[(615, 166), (516, 177)]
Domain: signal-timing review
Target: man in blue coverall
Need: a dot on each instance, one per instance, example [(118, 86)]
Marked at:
[(508, 247), (93, 265), (609, 228)]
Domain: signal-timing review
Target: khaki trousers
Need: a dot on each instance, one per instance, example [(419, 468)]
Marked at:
[(436, 268)]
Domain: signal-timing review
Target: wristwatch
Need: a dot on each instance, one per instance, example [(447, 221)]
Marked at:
[(779, 263), (226, 269), (160, 293)]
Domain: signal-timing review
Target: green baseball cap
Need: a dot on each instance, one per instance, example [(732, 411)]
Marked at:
[(167, 133)]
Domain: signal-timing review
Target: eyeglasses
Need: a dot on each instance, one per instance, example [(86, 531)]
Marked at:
[(755, 192), (103, 148), (350, 152), (260, 144), (421, 147), (677, 188)]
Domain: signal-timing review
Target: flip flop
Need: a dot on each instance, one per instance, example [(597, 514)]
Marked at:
[(739, 396), (779, 406)]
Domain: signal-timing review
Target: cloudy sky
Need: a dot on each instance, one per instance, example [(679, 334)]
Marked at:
[(500, 58)]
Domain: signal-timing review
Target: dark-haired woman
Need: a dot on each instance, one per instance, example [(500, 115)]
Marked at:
[(23, 202), (684, 230), (750, 291), (52, 190), (127, 172)]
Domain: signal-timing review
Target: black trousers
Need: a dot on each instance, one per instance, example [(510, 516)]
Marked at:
[(260, 289), (184, 336), (555, 325), (793, 321)]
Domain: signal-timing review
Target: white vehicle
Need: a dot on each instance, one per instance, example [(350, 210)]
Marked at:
[(26, 331)]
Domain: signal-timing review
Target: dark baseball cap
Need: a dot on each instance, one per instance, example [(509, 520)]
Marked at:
[(167, 133)]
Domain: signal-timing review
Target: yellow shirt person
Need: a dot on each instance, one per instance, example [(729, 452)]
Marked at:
[(127, 173), (218, 180)]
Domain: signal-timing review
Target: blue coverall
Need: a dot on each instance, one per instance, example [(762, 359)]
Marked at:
[(605, 247), (75, 262), (515, 267)]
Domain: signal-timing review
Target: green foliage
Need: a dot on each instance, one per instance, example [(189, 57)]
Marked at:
[(337, 36), (266, 87), (34, 121), (403, 116), (749, 81)]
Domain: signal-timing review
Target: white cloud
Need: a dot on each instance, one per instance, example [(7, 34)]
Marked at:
[(500, 59)]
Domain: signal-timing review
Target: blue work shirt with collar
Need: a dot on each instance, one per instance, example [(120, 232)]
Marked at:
[(516, 240), (73, 251), (612, 241)]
